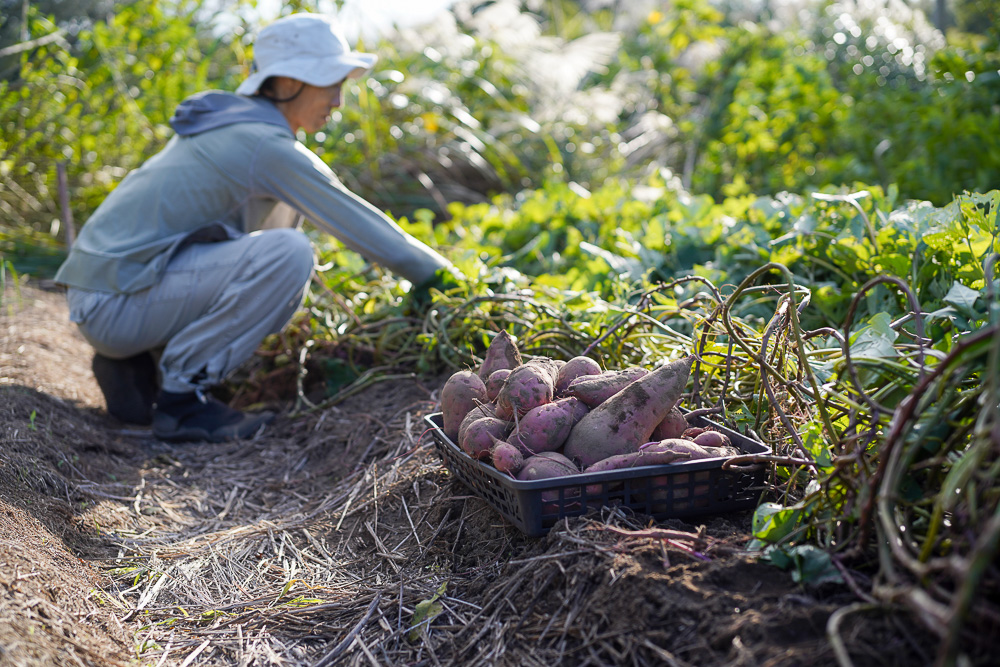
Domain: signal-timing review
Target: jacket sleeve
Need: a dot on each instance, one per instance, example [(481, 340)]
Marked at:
[(285, 169)]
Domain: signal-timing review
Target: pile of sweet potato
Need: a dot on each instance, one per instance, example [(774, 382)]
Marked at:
[(545, 418)]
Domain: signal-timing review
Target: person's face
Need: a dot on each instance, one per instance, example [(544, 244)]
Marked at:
[(310, 110)]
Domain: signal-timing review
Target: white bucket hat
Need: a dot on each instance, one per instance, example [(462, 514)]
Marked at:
[(307, 47)]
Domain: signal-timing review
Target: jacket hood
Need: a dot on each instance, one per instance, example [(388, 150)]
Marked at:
[(215, 108)]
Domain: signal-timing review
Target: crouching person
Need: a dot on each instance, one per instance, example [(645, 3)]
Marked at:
[(196, 256)]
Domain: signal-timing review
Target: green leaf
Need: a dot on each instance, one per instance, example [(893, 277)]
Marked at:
[(982, 209), (962, 297), (817, 447), (959, 476), (944, 241), (773, 522), (425, 612), (875, 340), (809, 564), (618, 264), (742, 418)]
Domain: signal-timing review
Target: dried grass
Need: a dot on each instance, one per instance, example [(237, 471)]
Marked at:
[(318, 548)]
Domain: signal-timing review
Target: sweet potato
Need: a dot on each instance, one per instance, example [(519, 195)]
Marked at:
[(495, 381), (672, 426), (506, 457), (481, 410), (625, 421), (478, 438), (460, 393), (680, 489), (546, 465), (653, 457), (502, 353), (595, 389), (546, 427), (579, 409), (648, 457), (529, 385), (713, 439), (573, 369), (691, 448)]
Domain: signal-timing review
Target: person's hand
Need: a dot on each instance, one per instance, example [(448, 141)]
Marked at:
[(443, 280)]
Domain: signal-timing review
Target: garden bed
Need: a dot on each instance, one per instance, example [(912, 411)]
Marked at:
[(321, 540)]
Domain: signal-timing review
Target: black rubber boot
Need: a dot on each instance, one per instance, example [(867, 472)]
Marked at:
[(192, 418), (129, 386)]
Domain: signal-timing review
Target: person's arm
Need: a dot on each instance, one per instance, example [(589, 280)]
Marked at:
[(288, 171)]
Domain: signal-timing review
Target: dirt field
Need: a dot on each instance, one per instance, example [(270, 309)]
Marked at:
[(322, 540)]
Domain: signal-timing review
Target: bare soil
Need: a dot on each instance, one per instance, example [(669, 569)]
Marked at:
[(321, 540)]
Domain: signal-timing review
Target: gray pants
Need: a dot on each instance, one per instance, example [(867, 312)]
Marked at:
[(209, 312)]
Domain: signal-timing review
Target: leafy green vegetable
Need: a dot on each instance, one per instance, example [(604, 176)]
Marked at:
[(809, 564)]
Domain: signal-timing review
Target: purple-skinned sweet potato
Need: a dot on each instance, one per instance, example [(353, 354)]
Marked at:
[(506, 457), (625, 421), (481, 410), (495, 381), (672, 426), (650, 457), (546, 465), (644, 457), (546, 427), (575, 368), (460, 394), (579, 409), (478, 438), (529, 385), (502, 353), (694, 450), (712, 439), (595, 389)]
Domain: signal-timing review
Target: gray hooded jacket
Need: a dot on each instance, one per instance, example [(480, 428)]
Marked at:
[(233, 167)]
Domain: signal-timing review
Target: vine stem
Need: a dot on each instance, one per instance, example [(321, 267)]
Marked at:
[(789, 461), (702, 412), (444, 321), (890, 451), (781, 314), (849, 319), (982, 557), (642, 299), (833, 630), (796, 331), (853, 585), (300, 376), (368, 378)]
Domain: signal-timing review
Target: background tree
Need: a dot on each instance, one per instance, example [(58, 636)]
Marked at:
[(69, 15), (978, 16)]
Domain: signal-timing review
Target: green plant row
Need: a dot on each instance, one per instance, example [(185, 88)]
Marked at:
[(468, 108)]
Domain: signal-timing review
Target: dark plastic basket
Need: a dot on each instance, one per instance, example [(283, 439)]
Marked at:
[(684, 489)]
